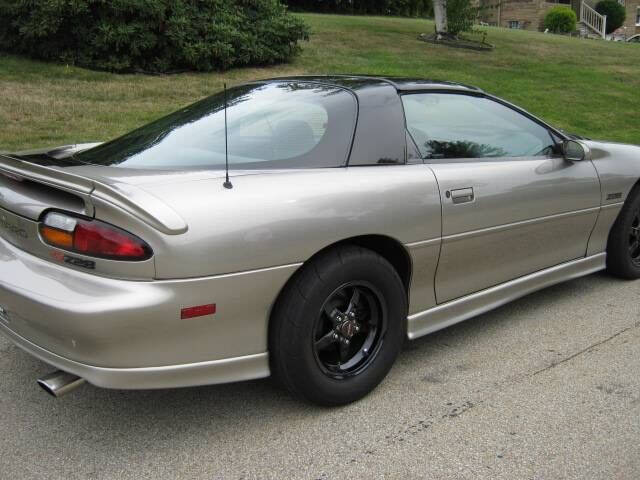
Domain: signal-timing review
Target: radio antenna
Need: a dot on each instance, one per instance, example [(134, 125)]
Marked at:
[(227, 183)]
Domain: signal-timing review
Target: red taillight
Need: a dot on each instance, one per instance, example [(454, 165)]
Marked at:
[(92, 238)]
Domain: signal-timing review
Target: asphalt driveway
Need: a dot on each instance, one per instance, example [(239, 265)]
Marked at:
[(546, 387)]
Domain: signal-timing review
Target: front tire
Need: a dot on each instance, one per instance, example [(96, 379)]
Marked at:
[(623, 246), (338, 326)]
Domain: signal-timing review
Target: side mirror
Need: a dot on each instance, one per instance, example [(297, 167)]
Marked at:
[(573, 151)]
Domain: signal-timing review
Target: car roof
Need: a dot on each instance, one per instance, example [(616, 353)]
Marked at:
[(402, 84)]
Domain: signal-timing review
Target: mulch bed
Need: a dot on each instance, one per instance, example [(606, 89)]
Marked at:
[(457, 42)]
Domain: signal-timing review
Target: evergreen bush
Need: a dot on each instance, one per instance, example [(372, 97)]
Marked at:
[(616, 14), (152, 35), (560, 20)]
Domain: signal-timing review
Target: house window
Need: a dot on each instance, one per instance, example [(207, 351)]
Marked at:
[(514, 24), (638, 17)]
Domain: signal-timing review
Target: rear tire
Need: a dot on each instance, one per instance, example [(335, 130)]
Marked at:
[(623, 247), (338, 326)]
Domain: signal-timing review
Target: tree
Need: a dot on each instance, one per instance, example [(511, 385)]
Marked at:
[(453, 17), (461, 16), (440, 14)]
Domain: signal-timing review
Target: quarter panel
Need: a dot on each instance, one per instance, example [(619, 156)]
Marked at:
[(283, 218)]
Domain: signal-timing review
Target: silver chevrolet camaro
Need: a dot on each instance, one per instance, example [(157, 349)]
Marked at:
[(355, 212)]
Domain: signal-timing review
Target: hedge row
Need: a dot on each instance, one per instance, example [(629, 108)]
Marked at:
[(151, 35), (364, 7)]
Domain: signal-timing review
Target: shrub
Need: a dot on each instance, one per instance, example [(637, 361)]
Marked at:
[(560, 20), (461, 15), (151, 35), (616, 13)]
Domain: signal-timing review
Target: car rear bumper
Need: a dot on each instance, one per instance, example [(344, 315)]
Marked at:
[(129, 334), (226, 370)]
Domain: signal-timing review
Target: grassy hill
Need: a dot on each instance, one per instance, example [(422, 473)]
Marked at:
[(584, 86)]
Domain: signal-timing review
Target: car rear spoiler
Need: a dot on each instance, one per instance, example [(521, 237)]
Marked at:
[(135, 201)]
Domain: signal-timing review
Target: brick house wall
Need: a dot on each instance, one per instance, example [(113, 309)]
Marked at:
[(529, 14), (632, 22), (523, 14)]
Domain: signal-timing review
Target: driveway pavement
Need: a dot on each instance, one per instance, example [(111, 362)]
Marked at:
[(547, 387)]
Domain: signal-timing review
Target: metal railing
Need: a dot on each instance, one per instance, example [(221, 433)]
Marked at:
[(593, 19)]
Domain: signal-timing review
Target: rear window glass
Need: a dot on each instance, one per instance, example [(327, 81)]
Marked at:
[(270, 125)]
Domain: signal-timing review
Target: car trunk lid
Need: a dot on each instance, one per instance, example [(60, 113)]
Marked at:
[(32, 186)]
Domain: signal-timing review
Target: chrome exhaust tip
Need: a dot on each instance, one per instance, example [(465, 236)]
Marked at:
[(60, 383)]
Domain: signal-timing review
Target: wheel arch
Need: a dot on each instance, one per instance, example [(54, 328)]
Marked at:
[(619, 261), (387, 247), (634, 188)]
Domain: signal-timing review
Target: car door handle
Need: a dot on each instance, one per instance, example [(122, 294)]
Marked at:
[(461, 195)]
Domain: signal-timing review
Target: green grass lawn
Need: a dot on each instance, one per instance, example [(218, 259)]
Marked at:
[(583, 86)]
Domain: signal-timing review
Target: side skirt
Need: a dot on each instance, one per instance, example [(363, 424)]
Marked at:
[(455, 311)]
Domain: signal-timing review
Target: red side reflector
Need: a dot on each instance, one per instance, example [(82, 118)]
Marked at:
[(199, 311)]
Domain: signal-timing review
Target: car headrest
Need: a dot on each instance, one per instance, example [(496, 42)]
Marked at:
[(293, 138)]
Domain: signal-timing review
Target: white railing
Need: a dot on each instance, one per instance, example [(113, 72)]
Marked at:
[(593, 19)]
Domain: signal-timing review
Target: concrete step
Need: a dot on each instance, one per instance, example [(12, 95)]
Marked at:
[(587, 32)]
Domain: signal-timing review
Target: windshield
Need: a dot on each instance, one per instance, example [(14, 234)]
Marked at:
[(270, 125)]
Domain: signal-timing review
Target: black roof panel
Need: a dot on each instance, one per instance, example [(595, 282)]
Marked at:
[(357, 82), (412, 84)]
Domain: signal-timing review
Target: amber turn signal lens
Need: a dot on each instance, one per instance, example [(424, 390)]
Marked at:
[(56, 237)]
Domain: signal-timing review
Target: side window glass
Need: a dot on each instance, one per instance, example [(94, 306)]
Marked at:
[(449, 125)]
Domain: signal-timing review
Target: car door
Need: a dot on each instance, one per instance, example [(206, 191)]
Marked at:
[(511, 205)]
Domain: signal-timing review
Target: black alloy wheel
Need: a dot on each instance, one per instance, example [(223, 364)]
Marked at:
[(350, 329), (338, 326)]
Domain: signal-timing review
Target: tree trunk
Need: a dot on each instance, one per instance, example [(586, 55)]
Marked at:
[(440, 14)]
